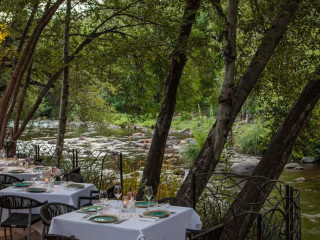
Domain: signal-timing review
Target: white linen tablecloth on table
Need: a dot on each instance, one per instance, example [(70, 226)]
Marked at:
[(59, 194), (172, 227)]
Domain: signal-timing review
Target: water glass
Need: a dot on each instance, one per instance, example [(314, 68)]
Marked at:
[(118, 192), (148, 193)]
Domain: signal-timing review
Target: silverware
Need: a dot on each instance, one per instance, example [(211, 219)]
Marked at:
[(87, 216), (121, 221), (142, 216)]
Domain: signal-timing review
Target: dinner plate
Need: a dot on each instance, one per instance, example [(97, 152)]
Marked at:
[(104, 218), (36, 190), (75, 185), (91, 208), (144, 204), (157, 213), (17, 171), (58, 182), (21, 184), (40, 168)]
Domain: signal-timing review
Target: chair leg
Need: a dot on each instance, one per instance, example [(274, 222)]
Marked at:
[(43, 231), (29, 231), (10, 233), (5, 233)]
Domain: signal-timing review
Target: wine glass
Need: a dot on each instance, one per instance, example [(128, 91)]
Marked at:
[(61, 174), (117, 192), (148, 194)]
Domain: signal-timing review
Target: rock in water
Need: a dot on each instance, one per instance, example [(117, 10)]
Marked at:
[(300, 179), (307, 160), (291, 165), (244, 168)]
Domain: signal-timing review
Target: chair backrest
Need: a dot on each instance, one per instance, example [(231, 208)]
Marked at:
[(2, 186), (75, 170), (53, 209), (74, 177), (18, 202), (8, 179), (58, 237), (174, 201), (209, 234)]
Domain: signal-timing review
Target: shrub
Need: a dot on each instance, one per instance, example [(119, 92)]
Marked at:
[(251, 139)]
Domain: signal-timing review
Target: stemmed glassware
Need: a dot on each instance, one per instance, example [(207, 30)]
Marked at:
[(2, 155), (61, 174), (117, 192), (148, 194)]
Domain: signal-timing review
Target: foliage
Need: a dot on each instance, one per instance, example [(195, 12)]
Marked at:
[(251, 139)]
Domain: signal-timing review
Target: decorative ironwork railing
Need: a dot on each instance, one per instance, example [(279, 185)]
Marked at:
[(279, 217), (103, 168)]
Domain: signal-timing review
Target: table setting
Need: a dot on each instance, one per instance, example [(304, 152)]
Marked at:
[(126, 219)]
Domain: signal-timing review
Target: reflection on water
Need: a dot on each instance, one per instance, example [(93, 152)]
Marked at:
[(310, 193)]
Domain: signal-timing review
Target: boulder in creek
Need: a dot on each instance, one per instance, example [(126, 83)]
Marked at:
[(185, 130), (307, 160), (244, 168), (52, 141), (300, 179), (291, 165)]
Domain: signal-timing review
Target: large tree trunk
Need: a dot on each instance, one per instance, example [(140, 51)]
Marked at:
[(21, 100), (22, 65), (274, 160), (152, 170), (63, 112), (210, 153)]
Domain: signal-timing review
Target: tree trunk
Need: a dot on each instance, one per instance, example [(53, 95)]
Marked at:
[(274, 160), (22, 64), (63, 112), (21, 100), (152, 170), (210, 153)]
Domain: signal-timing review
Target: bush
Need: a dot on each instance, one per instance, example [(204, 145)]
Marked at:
[(251, 139)]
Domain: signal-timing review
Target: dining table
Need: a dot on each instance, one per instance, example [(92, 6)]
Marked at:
[(63, 193), (131, 226), (25, 174)]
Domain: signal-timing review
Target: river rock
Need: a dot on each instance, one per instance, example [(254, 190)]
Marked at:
[(184, 130), (244, 168), (82, 137), (307, 160), (116, 142), (52, 141), (298, 168), (145, 140), (291, 165), (182, 142), (300, 179), (138, 134)]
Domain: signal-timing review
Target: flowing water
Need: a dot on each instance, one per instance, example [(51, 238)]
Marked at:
[(135, 149)]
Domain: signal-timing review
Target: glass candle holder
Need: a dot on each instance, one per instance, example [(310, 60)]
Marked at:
[(125, 201)]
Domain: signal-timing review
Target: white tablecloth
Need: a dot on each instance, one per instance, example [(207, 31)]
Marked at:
[(172, 227), (59, 194)]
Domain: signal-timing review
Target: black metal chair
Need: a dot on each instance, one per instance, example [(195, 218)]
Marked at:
[(94, 195), (7, 180), (19, 220), (213, 233), (174, 201), (50, 210), (74, 177), (58, 237), (2, 186)]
